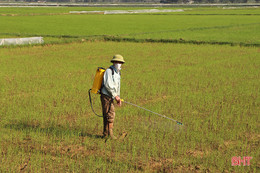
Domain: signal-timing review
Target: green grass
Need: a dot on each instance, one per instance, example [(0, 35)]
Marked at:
[(208, 28), (187, 10), (234, 29), (60, 10), (46, 123), (223, 10)]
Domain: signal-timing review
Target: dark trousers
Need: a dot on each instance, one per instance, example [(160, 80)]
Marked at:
[(108, 110)]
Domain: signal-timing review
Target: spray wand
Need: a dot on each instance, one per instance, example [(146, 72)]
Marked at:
[(96, 89), (179, 123)]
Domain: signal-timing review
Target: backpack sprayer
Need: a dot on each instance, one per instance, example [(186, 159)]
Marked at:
[(96, 90), (96, 86)]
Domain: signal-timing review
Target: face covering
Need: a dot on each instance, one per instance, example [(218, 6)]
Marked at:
[(118, 66)]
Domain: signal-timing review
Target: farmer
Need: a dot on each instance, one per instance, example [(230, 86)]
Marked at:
[(110, 92)]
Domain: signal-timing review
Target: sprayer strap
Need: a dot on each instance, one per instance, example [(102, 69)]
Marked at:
[(112, 70)]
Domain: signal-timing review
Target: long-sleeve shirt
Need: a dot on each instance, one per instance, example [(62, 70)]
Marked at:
[(111, 83)]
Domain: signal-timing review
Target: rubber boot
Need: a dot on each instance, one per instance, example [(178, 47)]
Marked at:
[(110, 131), (105, 130)]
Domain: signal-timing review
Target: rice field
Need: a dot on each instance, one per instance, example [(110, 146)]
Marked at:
[(208, 25), (46, 122)]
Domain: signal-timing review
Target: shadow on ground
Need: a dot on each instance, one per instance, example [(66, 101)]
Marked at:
[(52, 129)]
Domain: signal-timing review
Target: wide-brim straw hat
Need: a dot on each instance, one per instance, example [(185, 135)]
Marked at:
[(118, 58)]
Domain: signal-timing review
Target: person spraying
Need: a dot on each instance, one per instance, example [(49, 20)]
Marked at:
[(110, 91), (107, 84)]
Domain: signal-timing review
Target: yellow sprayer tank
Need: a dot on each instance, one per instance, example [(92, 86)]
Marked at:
[(98, 80)]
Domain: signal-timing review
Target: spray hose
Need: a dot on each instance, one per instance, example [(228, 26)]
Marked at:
[(91, 104), (179, 123)]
